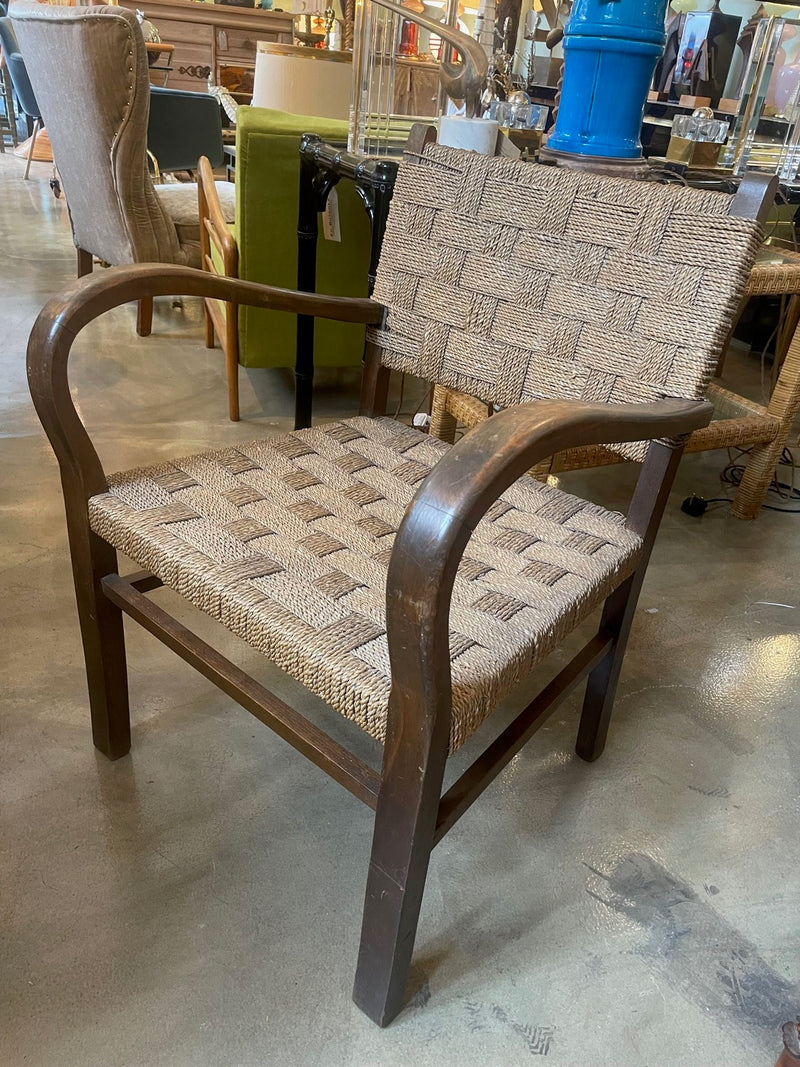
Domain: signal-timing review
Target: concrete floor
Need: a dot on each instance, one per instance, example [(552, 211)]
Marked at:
[(198, 902)]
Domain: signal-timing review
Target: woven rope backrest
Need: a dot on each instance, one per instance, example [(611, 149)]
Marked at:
[(512, 282)]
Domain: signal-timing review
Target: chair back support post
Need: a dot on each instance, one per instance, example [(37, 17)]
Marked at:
[(755, 197), (374, 383), (649, 501)]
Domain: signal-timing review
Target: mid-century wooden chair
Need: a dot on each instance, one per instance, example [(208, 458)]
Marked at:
[(410, 584)]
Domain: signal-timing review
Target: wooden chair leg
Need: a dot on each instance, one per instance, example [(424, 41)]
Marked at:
[(144, 317), (601, 686), (36, 127), (232, 359), (644, 518), (208, 324), (763, 459), (405, 823), (85, 262), (103, 638)]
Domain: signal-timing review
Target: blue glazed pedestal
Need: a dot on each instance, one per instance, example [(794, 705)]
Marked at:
[(611, 48)]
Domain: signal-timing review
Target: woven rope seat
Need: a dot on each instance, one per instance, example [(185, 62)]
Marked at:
[(286, 541)]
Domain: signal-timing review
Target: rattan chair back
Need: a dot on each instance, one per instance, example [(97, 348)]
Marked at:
[(511, 281)]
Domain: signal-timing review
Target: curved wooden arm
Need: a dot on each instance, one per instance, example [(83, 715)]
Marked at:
[(65, 315), (446, 509)]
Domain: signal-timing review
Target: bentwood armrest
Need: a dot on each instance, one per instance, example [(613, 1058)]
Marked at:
[(457, 494), (487, 460), (63, 317)]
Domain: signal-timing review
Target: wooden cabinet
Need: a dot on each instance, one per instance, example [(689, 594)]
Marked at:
[(215, 39), (193, 58), (238, 44)]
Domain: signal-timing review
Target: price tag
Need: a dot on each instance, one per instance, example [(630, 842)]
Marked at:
[(331, 227)]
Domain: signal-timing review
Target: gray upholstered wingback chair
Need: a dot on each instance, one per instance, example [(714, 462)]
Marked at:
[(88, 68)]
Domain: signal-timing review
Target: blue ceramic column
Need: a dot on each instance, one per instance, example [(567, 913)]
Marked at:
[(611, 48)]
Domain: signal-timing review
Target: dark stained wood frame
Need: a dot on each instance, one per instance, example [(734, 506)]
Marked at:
[(411, 813)]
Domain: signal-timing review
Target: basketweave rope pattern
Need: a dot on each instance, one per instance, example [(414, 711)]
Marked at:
[(286, 541), (512, 282)]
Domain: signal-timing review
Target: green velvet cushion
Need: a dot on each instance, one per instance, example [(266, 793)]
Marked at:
[(267, 176)]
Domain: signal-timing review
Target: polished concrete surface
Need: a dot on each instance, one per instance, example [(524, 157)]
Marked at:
[(197, 903)]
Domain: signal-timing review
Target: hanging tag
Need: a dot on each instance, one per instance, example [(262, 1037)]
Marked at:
[(331, 228)]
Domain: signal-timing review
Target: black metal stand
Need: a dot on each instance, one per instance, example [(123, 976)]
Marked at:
[(322, 166)]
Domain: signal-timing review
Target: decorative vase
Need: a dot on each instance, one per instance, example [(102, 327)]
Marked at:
[(611, 48)]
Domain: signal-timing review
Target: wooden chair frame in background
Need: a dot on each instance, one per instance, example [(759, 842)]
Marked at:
[(412, 815), (221, 319)]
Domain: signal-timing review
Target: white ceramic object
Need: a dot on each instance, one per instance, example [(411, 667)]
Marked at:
[(476, 135), (303, 81)]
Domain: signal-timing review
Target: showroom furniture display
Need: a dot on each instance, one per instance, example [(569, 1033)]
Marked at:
[(764, 430), (410, 584), (14, 65), (264, 236), (88, 67), (216, 41), (324, 167)]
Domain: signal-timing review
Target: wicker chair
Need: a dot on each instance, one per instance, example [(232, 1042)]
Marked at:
[(412, 585), (738, 423)]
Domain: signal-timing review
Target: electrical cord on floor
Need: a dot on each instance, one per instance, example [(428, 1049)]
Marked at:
[(411, 417), (732, 474)]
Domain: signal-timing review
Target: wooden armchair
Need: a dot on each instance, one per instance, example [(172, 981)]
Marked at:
[(410, 584)]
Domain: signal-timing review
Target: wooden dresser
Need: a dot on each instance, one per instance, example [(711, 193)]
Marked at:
[(215, 38)]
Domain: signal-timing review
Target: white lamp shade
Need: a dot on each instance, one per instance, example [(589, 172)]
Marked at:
[(303, 81)]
